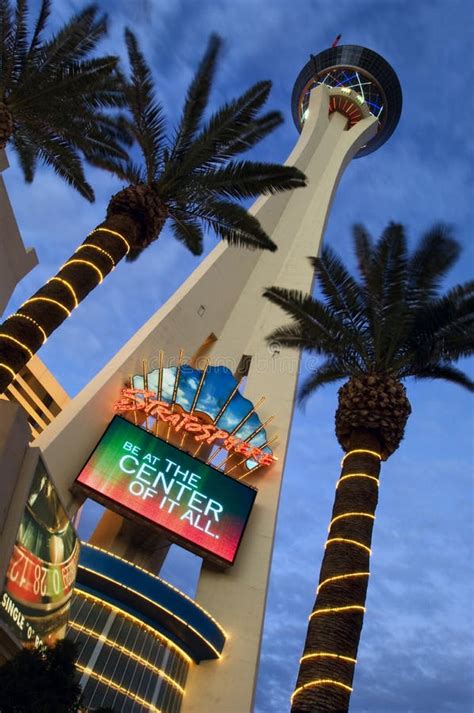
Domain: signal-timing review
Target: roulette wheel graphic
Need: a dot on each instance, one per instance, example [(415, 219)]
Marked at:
[(42, 569)]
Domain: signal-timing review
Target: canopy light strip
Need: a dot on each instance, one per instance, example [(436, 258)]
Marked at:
[(128, 652), (121, 612), (156, 604), (159, 579), (117, 687)]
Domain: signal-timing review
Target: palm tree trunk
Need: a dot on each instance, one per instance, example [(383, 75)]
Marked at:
[(326, 672), (25, 331)]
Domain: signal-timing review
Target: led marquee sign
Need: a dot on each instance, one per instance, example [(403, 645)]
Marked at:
[(136, 473)]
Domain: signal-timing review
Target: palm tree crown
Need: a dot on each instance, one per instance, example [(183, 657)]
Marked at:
[(389, 323), (392, 320), (191, 177), (53, 94)]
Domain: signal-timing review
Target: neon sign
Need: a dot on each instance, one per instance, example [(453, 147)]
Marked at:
[(145, 401)]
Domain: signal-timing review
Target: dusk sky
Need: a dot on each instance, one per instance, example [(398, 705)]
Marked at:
[(417, 648)]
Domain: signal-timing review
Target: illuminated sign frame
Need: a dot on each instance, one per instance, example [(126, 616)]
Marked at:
[(186, 499)]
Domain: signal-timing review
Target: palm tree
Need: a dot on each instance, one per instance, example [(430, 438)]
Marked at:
[(43, 680), (52, 93), (190, 179), (389, 323)]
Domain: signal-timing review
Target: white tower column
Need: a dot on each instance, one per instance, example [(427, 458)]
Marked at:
[(223, 297)]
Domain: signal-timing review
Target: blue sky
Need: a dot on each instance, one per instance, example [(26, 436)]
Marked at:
[(416, 654)]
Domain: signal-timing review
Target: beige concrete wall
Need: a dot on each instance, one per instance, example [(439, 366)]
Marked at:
[(15, 260), (229, 284), (39, 393)]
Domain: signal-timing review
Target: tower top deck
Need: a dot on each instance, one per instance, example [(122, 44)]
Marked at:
[(360, 70)]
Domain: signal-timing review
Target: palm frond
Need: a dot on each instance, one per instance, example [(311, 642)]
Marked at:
[(27, 155), (254, 132), (311, 338), (307, 311), (364, 246), (64, 160), (329, 372), (379, 326), (5, 43), (40, 26), (75, 40), (90, 83), (233, 223), (246, 179), (342, 292), (196, 99), (126, 171), (188, 231), (148, 124), (224, 128), (17, 44), (445, 372), (435, 255)]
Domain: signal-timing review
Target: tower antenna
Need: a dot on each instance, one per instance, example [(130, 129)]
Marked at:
[(336, 41)]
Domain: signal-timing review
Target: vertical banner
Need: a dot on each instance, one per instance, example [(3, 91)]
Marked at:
[(42, 569)]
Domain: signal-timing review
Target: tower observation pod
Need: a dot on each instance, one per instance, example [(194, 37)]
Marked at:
[(360, 82), (346, 103)]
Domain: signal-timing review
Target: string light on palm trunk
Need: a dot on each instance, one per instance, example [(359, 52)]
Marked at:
[(320, 682), (340, 577), (7, 368), (360, 451), (85, 262), (345, 540), (17, 342), (336, 610), (357, 475), (47, 299), (325, 654), (350, 514), (100, 250), (69, 286), (344, 609), (30, 319), (115, 234)]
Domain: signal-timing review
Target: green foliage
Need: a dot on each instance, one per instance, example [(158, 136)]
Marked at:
[(56, 93), (193, 171), (41, 681), (389, 319)]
